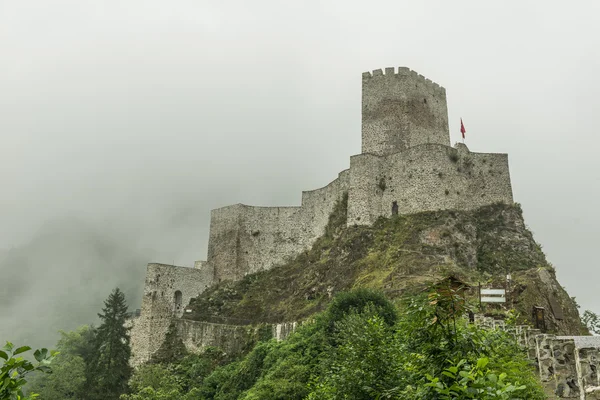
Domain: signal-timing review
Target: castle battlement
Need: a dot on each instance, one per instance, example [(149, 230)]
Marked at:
[(406, 166), (404, 73)]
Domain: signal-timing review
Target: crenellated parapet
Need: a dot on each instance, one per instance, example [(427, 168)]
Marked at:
[(404, 72)]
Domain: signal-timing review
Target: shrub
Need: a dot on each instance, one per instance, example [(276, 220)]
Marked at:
[(357, 301), (14, 369)]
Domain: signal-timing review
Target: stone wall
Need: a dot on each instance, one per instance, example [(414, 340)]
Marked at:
[(588, 361), (400, 110), (567, 365), (282, 330), (245, 239), (425, 178), (197, 335), (167, 290)]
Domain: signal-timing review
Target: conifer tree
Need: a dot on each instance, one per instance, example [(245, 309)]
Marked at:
[(108, 370)]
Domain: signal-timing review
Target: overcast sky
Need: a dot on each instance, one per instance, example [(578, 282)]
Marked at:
[(140, 116)]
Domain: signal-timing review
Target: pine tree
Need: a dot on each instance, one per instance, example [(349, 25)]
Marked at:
[(108, 370)]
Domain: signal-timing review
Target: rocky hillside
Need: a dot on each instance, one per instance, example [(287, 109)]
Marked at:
[(401, 255)]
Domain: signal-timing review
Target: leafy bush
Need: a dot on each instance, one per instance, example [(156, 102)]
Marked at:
[(591, 321), (357, 301), (67, 380), (14, 370), (476, 382), (364, 364)]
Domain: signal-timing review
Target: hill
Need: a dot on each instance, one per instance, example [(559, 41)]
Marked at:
[(400, 255)]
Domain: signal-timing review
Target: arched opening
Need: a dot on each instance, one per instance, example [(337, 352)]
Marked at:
[(394, 208), (178, 300)]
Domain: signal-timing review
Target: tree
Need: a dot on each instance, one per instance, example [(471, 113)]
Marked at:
[(108, 370), (67, 380), (14, 370), (153, 382), (364, 364), (591, 321)]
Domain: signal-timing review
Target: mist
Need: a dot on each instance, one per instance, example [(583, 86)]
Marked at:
[(124, 123)]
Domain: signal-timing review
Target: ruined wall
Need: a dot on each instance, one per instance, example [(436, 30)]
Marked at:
[(245, 239), (197, 335), (401, 110), (232, 339), (425, 178), (167, 290), (282, 330)]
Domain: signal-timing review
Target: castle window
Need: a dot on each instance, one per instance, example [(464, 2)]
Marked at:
[(178, 300), (394, 208)]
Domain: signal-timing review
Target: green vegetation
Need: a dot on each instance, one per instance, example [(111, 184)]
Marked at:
[(591, 321), (108, 369), (15, 368), (67, 380), (93, 363), (360, 347)]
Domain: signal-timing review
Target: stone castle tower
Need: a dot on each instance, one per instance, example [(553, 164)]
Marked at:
[(402, 110), (406, 166)]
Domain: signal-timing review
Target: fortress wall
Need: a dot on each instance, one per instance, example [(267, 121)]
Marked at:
[(401, 109), (425, 178), (232, 339), (318, 204), (224, 240), (363, 203), (246, 239), (198, 335), (270, 235), (159, 306)]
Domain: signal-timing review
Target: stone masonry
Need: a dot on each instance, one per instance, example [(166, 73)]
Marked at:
[(167, 290), (407, 165)]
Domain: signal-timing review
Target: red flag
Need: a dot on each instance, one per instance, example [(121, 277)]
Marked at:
[(462, 128)]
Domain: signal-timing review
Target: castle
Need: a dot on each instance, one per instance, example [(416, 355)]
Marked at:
[(406, 166)]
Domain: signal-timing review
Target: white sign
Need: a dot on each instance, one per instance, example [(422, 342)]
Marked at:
[(492, 292), (493, 295), (493, 300)]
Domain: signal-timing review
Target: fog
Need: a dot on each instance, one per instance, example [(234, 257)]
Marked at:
[(122, 124)]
